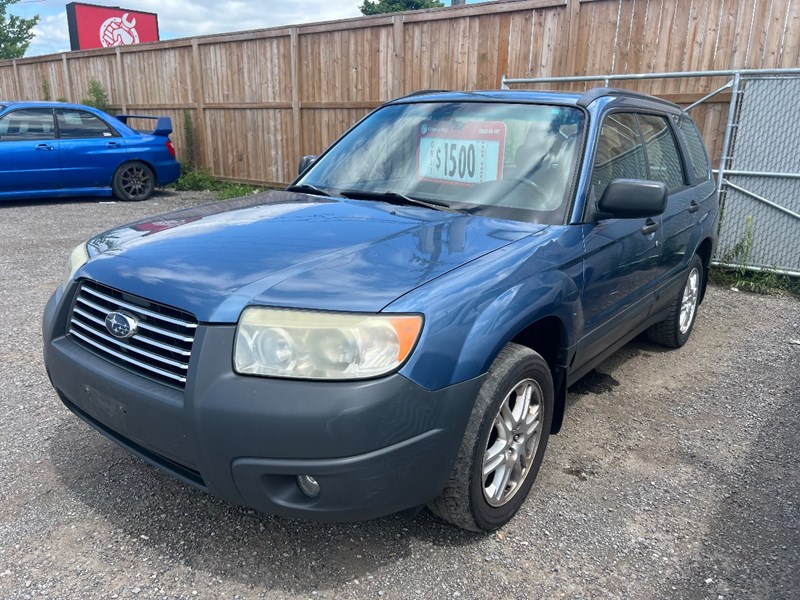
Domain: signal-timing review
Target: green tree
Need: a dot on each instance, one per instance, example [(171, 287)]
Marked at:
[(98, 96), (380, 7), (15, 32)]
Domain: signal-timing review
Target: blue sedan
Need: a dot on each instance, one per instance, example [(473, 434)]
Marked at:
[(50, 149)]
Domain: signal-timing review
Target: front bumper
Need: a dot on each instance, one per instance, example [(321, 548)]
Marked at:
[(376, 447)]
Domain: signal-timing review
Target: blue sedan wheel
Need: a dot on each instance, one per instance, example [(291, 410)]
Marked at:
[(134, 181)]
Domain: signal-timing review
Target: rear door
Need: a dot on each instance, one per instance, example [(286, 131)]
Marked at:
[(704, 189), (28, 151), (621, 266), (91, 150)]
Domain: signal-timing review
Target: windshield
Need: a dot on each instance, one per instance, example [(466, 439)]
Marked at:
[(513, 161)]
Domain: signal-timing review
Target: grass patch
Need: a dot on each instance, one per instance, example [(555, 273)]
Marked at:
[(758, 282), (202, 180)]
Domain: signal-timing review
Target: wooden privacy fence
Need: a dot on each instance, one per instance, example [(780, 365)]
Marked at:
[(259, 100)]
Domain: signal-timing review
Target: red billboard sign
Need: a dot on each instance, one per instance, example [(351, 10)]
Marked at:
[(93, 26)]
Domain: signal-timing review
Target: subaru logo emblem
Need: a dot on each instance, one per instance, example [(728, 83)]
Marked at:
[(121, 325)]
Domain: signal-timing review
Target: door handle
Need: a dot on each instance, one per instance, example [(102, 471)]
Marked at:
[(649, 227), (44, 147), (694, 207), (112, 145)]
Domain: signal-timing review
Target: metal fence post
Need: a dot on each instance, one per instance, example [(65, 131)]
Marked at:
[(726, 141)]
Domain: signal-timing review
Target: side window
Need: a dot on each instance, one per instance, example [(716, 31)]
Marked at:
[(27, 124), (79, 124), (697, 150), (663, 157), (619, 153)]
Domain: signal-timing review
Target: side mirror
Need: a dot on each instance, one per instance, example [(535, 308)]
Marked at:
[(305, 163), (633, 199)]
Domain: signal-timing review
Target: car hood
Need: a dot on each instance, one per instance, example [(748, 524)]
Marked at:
[(290, 250)]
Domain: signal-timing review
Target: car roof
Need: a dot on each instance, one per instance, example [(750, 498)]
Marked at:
[(37, 104), (584, 99), (491, 96)]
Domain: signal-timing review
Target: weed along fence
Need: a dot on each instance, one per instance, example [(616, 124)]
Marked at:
[(259, 100), (758, 157)]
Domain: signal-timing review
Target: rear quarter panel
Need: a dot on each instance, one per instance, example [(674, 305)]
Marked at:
[(152, 150)]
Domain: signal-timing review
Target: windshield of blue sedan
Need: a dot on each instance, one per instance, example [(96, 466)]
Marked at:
[(514, 161)]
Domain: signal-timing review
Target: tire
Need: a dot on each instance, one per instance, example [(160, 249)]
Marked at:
[(477, 503), (675, 330), (133, 182)]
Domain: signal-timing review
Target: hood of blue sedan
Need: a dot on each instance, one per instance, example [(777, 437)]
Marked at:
[(290, 250)]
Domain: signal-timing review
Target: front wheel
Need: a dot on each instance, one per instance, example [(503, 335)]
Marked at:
[(675, 330), (134, 181), (503, 445)]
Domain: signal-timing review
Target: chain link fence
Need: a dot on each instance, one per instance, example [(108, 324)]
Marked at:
[(760, 228)]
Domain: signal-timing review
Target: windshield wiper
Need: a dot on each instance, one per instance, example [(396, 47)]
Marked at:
[(395, 197), (307, 188)]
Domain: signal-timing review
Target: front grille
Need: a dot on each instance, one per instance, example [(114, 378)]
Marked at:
[(161, 347)]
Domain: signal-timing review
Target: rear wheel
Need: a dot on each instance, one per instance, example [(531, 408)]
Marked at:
[(675, 330), (134, 181), (503, 445)]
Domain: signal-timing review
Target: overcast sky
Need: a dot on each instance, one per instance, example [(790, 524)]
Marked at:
[(184, 18)]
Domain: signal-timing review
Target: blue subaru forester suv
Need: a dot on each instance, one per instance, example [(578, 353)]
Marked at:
[(399, 327)]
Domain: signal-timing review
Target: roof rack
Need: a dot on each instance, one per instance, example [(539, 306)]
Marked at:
[(599, 92), (422, 93)]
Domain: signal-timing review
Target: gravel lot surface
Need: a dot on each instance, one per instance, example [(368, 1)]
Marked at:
[(675, 476)]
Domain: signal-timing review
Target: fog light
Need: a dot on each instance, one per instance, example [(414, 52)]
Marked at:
[(308, 485)]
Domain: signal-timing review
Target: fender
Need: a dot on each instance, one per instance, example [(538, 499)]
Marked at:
[(552, 294), (475, 310)]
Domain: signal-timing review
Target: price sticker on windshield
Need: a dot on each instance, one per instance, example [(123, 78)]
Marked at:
[(461, 152)]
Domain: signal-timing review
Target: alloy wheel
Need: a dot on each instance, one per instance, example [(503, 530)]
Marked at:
[(512, 443), (135, 182), (689, 300)]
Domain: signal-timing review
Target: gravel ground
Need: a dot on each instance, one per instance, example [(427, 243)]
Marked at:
[(675, 476)]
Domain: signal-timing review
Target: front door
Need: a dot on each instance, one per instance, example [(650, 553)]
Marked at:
[(28, 151), (665, 165), (621, 265)]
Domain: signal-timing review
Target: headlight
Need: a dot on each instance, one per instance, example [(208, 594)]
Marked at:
[(76, 260), (316, 345)]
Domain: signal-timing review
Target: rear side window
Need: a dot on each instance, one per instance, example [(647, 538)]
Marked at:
[(27, 124), (663, 158), (79, 124), (619, 153), (697, 150)]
